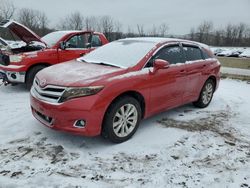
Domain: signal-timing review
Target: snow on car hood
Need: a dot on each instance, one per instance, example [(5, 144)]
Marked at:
[(24, 33), (75, 73)]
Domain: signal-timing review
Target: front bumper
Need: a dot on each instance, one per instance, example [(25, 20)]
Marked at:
[(63, 116), (12, 75)]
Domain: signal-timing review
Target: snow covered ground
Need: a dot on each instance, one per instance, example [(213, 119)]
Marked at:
[(184, 147)]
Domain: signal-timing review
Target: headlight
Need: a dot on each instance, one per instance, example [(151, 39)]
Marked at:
[(16, 58), (80, 92)]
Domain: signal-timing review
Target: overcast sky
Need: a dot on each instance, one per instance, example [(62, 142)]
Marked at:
[(179, 15)]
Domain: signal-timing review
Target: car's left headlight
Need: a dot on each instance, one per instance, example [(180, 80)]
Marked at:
[(71, 93), (16, 58)]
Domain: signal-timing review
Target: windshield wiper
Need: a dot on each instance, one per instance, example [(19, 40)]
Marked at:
[(99, 63), (107, 64)]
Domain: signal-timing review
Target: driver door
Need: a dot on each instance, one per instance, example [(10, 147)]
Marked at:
[(76, 46), (167, 85)]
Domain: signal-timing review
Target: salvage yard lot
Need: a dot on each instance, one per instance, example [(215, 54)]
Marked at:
[(184, 147)]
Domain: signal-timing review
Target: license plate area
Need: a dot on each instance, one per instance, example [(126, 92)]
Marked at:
[(48, 121)]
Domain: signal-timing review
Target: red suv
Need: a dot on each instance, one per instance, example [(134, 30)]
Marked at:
[(22, 63), (111, 89)]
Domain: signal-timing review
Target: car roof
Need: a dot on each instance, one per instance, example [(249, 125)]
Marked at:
[(153, 39), (165, 40), (67, 31)]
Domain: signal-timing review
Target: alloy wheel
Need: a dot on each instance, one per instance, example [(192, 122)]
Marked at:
[(125, 120), (207, 93)]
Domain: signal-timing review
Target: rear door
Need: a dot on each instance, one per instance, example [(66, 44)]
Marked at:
[(167, 85), (195, 67)]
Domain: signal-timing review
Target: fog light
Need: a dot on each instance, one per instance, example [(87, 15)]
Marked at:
[(80, 123), (13, 75)]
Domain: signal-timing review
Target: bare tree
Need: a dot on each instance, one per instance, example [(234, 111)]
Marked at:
[(162, 30), (73, 21), (7, 9), (241, 29), (140, 29), (43, 23), (90, 23), (27, 17), (34, 19), (204, 30), (153, 31), (130, 32), (218, 38), (192, 34), (117, 26), (106, 24)]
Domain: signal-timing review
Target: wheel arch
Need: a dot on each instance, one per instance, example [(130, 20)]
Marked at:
[(213, 78), (132, 93), (34, 65)]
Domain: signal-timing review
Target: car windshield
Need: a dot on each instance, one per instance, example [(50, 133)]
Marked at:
[(52, 38), (123, 53)]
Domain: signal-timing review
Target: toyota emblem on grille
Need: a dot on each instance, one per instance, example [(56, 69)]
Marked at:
[(42, 83)]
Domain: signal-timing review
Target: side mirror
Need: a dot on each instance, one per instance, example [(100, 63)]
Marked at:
[(62, 45), (160, 64)]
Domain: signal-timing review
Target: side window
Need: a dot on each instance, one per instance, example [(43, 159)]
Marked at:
[(206, 55), (96, 41), (78, 41), (192, 53), (172, 54)]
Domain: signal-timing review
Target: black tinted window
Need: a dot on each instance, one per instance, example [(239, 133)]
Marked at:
[(78, 41), (172, 54), (192, 53), (95, 41)]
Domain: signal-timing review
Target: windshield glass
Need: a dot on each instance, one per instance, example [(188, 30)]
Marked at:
[(123, 53), (52, 38)]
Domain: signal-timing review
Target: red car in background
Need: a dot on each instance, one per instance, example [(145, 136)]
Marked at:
[(21, 64), (111, 89)]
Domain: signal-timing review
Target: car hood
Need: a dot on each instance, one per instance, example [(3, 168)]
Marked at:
[(24, 33), (76, 74)]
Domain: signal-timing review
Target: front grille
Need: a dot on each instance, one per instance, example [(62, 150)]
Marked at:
[(49, 93)]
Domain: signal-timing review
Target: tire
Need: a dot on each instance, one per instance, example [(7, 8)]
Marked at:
[(122, 119), (206, 94), (31, 75)]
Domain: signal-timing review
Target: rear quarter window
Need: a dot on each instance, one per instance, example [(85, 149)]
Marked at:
[(207, 55), (192, 53)]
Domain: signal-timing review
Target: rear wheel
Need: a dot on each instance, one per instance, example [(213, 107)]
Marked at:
[(122, 119), (31, 75), (206, 94)]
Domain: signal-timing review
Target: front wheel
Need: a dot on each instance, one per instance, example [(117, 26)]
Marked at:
[(122, 119), (206, 94)]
